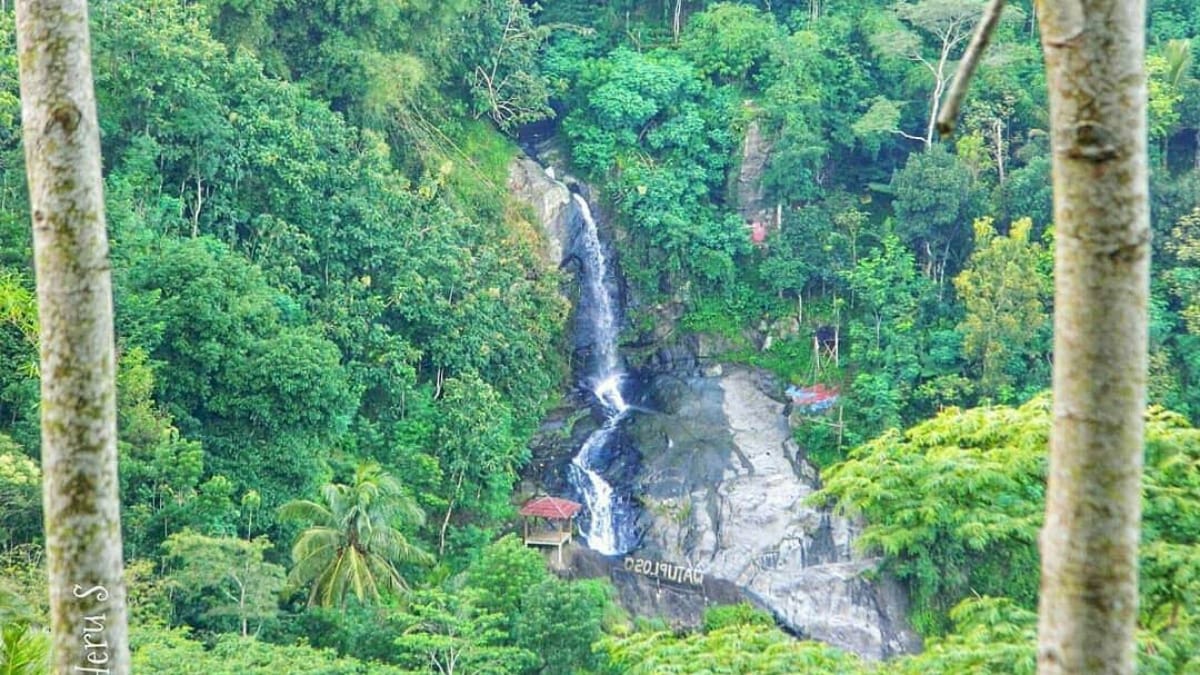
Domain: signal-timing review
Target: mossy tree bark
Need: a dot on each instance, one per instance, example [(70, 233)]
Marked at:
[(78, 409), (1094, 64)]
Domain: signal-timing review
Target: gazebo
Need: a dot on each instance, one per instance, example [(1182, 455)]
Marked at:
[(552, 518)]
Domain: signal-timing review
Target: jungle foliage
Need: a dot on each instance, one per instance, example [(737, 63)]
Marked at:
[(336, 332)]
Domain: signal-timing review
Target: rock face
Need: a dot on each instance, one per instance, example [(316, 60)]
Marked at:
[(680, 605), (550, 201), (723, 486), (748, 190), (756, 150)]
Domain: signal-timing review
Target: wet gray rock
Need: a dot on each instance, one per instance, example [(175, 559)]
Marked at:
[(679, 605), (723, 488), (720, 483), (550, 201), (750, 191)]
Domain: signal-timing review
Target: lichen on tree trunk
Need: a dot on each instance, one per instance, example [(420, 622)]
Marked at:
[(1094, 64), (78, 399)]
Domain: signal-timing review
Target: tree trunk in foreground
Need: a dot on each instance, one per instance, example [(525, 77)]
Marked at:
[(1094, 64), (78, 402)]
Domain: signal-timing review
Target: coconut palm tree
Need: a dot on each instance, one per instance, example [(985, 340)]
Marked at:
[(354, 541), (1177, 66)]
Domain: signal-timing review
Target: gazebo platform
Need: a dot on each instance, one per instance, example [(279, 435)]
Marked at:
[(550, 515), (547, 538)]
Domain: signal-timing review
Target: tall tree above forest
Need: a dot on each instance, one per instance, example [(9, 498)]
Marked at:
[(1004, 289), (948, 24), (78, 360)]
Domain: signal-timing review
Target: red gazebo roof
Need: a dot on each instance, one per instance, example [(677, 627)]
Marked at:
[(551, 507)]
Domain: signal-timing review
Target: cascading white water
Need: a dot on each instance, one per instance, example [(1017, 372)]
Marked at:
[(603, 315), (597, 493), (604, 376)]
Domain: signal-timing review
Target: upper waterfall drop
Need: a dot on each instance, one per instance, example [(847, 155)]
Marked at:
[(595, 277)]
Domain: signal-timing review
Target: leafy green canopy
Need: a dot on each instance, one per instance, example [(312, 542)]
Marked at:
[(1005, 289), (224, 580), (162, 650), (20, 479), (954, 506), (991, 635), (729, 41), (556, 621), (307, 300), (265, 394), (287, 301), (628, 103), (506, 613)]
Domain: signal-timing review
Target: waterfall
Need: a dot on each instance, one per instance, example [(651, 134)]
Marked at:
[(609, 514), (603, 317)]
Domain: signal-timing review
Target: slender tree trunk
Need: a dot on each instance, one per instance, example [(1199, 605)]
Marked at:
[(998, 137), (1094, 65), (242, 610), (449, 510), (677, 21), (940, 79), (78, 402)]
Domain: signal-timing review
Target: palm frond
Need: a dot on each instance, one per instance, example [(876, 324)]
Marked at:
[(304, 510)]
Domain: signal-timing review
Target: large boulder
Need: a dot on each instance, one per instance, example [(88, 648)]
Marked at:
[(550, 201), (750, 191), (723, 487)]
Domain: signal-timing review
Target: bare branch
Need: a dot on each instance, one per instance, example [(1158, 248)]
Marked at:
[(966, 68), (905, 134)]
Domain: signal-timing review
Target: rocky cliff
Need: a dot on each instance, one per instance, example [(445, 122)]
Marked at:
[(724, 486), (749, 191), (550, 201)]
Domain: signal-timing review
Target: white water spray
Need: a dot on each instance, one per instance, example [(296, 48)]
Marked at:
[(605, 378)]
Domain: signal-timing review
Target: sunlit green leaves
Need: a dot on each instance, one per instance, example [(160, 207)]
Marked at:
[(449, 632), (728, 41), (954, 506), (20, 493), (1005, 288), (746, 646), (172, 651), (24, 649), (991, 635), (223, 578)]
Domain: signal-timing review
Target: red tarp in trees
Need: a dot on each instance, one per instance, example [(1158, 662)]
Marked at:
[(816, 398)]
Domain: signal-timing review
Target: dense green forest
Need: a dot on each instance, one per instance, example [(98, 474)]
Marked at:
[(337, 335)]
